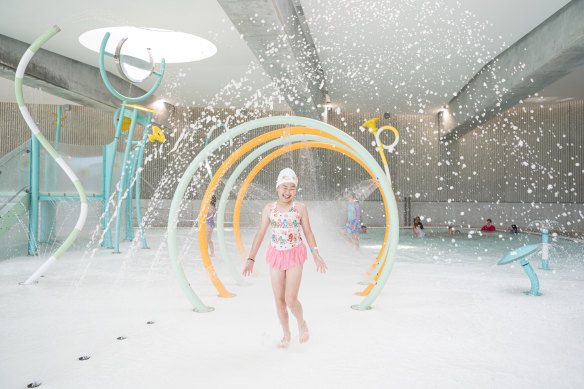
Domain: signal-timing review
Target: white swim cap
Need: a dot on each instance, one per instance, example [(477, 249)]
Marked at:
[(286, 175)]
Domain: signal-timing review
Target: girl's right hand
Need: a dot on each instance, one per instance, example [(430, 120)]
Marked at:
[(319, 262), (248, 269)]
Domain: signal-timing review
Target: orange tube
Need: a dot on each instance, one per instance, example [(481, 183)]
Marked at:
[(213, 186), (272, 156)]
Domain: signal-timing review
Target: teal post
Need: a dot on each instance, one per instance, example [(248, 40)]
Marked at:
[(534, 291), (124, 190), (109, 155), (33, 215), (545, 250), (138, 185), (129, 219)]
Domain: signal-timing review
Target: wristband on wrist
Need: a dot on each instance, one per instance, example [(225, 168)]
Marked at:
[(251, 259), (314, 248)]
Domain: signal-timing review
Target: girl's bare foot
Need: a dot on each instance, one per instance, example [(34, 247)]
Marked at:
[(285, 342), (303, 332)]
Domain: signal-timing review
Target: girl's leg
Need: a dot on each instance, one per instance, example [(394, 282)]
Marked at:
[(345, 236), (293, 278), (210, 241), (356, 241), (278, 278)]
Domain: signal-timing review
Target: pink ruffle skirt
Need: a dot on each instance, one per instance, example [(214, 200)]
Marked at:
[(286, 259)]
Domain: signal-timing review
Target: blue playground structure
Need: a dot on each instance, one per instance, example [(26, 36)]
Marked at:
[(100, 168), (127, 173)]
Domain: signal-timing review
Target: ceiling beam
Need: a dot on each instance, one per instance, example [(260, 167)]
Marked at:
[(552, 50), (67, 78), (278, 35)]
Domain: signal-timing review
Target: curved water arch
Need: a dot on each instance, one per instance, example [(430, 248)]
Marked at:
[(225, 166), (281, 136), (326, 129), (221, 205), (330, 145)]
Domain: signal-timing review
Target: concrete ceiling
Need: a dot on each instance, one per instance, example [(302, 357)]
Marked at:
[(403, 56)]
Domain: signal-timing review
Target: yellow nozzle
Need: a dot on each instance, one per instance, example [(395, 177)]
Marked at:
[(371, 124), (157, 135)]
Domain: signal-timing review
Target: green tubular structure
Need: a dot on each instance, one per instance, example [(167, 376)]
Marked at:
[(18, 82), (359, 150), (231, 182)]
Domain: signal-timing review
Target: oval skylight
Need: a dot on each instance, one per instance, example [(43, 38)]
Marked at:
[(173, 46)]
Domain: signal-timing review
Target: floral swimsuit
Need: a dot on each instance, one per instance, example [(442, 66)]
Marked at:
[(285, 228)]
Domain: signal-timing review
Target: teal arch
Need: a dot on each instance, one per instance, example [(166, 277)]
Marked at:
[(358, 149)]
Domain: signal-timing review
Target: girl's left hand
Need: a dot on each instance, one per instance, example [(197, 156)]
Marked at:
[(319, 262), (248, 269)]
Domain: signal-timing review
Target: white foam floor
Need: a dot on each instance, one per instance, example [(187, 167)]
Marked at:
[(440, 322)]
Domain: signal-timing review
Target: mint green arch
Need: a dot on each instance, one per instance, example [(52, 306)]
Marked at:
[(359, 150), (235, 175)]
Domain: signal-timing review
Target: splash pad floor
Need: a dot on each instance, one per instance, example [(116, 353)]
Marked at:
[(446, 318)]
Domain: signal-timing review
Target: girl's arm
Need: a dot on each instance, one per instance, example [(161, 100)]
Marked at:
[(305, 223), (257, 240)]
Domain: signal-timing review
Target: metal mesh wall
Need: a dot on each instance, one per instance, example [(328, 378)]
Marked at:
[(527, 154)]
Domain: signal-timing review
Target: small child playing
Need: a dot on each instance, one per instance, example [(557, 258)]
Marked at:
[(352, 227), (286, 252), (513, 229), (211, 224), (418, 227), (453, 231)]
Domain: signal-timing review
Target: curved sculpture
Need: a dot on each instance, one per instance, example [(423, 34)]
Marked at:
[(18, 81), (323, 129)]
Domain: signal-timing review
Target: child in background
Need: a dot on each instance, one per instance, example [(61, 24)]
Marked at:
[(211, 225), (513, 229), (452, 231), (352, 227), (418, 227), (286, 252)]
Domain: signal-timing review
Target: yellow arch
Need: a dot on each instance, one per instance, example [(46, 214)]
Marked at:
[(272, 156)]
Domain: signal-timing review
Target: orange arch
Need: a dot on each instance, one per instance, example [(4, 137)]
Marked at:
[(272, 156), (223, 292)]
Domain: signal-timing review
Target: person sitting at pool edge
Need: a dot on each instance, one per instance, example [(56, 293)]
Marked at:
[(488, 226), (513, 229)]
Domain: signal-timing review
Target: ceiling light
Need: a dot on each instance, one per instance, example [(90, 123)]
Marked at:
[(173, 46)]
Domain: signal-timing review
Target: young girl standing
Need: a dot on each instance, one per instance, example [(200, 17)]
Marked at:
[(286, 252), (352, 227), (211, 224)]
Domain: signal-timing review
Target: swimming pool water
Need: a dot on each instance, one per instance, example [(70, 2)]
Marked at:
[(472, 246)]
